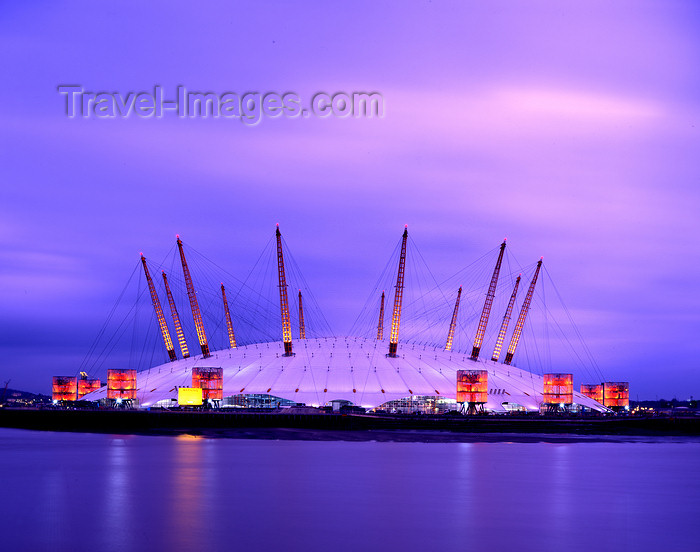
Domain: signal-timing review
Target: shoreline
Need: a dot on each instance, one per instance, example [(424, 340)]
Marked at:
[(282, 425)]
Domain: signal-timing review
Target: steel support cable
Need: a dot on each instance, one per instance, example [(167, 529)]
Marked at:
[(113, 340), (379, 284), (577, 332), (314, 311), (561, 334), (588, 352), (259, 304), (102, 330)]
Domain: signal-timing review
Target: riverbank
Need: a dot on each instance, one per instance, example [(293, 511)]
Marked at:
[(286, 424)]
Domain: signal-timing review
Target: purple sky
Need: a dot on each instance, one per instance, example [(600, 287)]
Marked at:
[(570, 128)]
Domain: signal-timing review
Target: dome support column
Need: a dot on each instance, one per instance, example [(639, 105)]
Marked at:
[(398, 297)]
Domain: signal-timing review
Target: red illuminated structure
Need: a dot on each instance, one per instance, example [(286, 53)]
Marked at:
[(593, 391), (486, 311), (65, 388), (86, 385), (472, 389), (121, 384), (616, 395), (518, 331), (210, 381), (284, 299), (380, 325), (453, 323), (159, 312), (196, 313), (398, 297), (558, 390)]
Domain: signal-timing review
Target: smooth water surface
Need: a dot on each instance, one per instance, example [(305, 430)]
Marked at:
[(68, 491)]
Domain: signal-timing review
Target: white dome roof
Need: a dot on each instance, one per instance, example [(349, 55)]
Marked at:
[(353, 369)]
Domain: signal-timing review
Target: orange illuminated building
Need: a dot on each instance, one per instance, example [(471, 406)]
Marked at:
[(86, 386), (210, 381), (121, 384), (592, 391), (616, 394), (558, 389), (472, 386), (65, 388)]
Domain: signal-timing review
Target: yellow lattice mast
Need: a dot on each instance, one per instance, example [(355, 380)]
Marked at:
[(398, 297), (227, 314), (176, 319), (380, 325), (284, 301), (517, 332), (302, 327), (159, 312), (483, 321), (453, 323), (196, 313), (506, 320)]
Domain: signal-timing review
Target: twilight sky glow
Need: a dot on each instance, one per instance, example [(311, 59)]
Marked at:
[(571, 128)]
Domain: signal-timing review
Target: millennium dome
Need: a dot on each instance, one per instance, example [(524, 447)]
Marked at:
[(366, 372)]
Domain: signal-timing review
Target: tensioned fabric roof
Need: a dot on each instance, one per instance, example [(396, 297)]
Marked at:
[(350, 368)]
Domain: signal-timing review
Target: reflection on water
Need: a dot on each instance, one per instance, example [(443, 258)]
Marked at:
[(65, 491), (188, 494)]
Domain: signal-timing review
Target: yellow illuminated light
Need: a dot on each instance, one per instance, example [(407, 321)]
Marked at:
[(189, 396)]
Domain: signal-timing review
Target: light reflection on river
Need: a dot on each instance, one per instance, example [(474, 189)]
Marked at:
[(67, 491)]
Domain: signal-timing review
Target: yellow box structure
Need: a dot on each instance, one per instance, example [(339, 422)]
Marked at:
[(189, 396)]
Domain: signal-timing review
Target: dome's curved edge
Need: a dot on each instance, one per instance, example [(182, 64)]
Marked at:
[(344, 368)]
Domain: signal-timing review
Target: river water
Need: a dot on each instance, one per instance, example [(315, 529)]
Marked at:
[(69, 491)]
